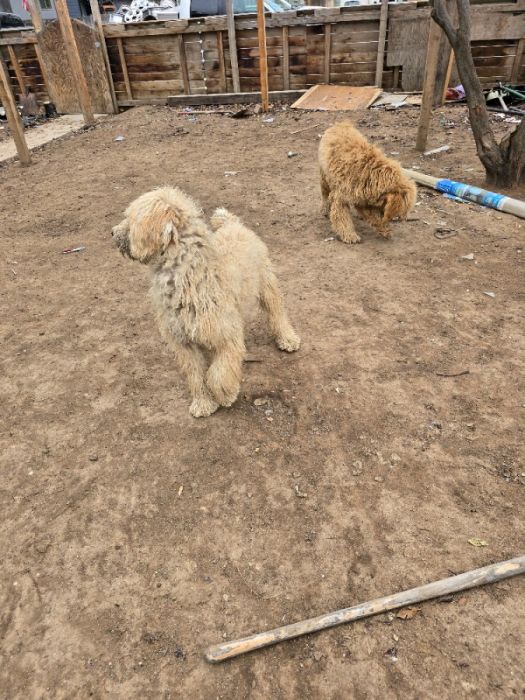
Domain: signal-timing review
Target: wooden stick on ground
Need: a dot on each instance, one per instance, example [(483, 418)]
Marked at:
[(461, 582), (263, 56), (16, 127), (473, 194)]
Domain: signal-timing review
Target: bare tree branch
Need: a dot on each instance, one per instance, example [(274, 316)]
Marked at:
[(441, 16)]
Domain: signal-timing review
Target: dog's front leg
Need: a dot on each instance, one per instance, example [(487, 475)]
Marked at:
[(325, 192), (193, 365), (341, 219), (224, 374)]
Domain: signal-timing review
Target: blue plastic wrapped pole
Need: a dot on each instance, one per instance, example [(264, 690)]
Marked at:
[(468, 192)]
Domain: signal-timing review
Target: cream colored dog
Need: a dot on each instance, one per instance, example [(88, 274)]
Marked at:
[(354, 172), (205, 285)]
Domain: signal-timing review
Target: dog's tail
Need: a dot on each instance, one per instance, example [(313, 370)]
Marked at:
[(221, 216)]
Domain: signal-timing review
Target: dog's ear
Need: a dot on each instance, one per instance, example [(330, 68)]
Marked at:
[(152, 234), (397, 204)]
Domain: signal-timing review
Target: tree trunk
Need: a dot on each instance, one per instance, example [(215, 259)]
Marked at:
[(504, 162)]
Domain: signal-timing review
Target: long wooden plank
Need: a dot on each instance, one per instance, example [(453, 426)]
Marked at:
[(286, 58), (327, 52), (232, 98), (222, 62), (13, 118), (232, 45), (36, 15), (75, 62), (17, 69), (383, 21), (124, 68), (97, 19), (183, 64), (516, 66), (263, 57)]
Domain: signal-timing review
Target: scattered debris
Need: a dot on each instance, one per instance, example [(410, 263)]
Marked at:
[(119, 138), (300, 131), (262, 401), (299, 493), (476, 542), (407, 613), (269, 120), (443, 233), (292, 154), (441, 149), (391, 654), (181, 489), (492, 295), (230, 173), (74, 250), (240, 113), (453, 374), (469, 256), (93, 457)]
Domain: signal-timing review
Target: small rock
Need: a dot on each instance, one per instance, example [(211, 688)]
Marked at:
[(379, 479), (469, 256), (292, 154), (260, 402), (317, 655), (299, 493), (119, 138), (93, 457)]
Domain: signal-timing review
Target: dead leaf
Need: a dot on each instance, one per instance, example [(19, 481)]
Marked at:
[(476, 542), (407, 613)]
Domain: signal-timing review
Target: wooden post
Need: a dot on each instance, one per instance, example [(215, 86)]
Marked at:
[(97, 20), (16, 127), (123, 65), (183, 64), (446, 81), (232, 43), (383, 21), (16, 68), (75, 62), (263, 56), (516, 66), (222, 63), (286, 58), (431, 65), (36, 16), (327, 51)]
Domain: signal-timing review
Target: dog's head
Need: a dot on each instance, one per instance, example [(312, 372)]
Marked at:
[(153, 224), (399, 202)]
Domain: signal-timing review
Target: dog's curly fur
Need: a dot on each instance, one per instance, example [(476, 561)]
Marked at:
[(205, 284), (354, 172)]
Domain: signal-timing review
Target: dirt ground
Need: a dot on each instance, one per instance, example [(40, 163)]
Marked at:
[(134, 536)]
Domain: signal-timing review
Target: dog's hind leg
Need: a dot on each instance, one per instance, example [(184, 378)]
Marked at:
[(341, 219), (325, 192), (271, 301), (225, 371), (192, 364)]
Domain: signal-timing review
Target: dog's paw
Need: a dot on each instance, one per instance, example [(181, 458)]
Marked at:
[(202, 407), (224, 394), (350, 239), (289, 343)]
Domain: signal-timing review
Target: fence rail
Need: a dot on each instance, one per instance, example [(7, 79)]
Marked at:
[(151, 62)]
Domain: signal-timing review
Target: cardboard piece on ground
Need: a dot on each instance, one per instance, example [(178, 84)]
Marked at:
[(394, 100), (337, 97)]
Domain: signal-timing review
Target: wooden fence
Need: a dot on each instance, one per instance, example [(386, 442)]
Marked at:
[(151, 62)]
